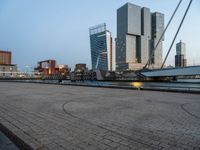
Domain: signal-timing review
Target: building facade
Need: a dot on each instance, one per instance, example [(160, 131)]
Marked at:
[(101, 47), (63, 70), (7, 69), (180, 58), (137, 32), (47, 67), (80, 68), (50, 68), (5, 57), (157, 30)]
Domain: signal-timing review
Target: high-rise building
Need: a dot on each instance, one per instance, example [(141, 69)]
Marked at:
[(180, 58), (181, 48), (128, 36), (101, 47), (157, 30), (145, 35), (137, 31)]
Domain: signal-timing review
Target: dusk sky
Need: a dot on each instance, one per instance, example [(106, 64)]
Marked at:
[(36, 30)]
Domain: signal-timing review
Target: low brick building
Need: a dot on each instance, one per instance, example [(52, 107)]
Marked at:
[(7, 69), (48, 68), (5, 57)]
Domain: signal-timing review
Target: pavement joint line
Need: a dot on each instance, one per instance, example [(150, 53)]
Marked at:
[(188, 112), (112, 131)]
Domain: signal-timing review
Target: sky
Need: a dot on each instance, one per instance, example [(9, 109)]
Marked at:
[(36, 30)]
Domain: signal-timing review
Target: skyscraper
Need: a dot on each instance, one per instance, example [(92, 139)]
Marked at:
[(157, 30), (180, 58), (137, 32), (128, 36), (101, 47), (145, 35)]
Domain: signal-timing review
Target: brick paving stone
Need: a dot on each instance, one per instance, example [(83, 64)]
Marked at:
[(114, 144), (121, 147), (71, 118)]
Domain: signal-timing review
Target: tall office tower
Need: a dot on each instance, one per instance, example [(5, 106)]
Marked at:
[(180, 58), (134, 36), (101, 47), (145, 35), (128, 37), (157, 30)]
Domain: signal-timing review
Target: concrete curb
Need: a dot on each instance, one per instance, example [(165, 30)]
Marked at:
[(114, 87), (16, 140)]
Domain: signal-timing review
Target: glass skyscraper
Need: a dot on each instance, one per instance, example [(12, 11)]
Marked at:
[(180, 58), (157, 30), (137, 32), (101, 47)]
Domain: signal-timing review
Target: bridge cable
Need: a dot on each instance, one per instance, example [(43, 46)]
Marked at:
[(161, 37), (177, 33)]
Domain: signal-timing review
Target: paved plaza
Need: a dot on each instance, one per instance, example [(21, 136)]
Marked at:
[(61, 117)]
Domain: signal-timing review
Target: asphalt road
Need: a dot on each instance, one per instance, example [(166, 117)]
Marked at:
[(72, 117)]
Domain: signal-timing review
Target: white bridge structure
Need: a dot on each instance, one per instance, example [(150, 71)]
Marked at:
[(173, 72)]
